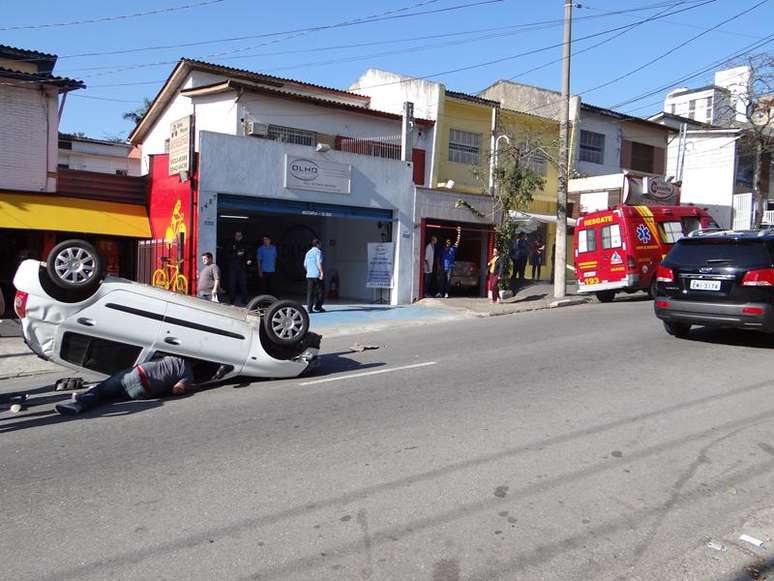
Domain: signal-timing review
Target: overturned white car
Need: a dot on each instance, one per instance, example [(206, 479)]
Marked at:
[(73, 315)]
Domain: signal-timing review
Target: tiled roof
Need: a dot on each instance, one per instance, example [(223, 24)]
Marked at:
[(26, 53), (42, 78), (262, 77), (473, 98)]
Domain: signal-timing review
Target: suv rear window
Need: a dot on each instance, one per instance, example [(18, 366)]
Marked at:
[(98, 354), (742, 253)]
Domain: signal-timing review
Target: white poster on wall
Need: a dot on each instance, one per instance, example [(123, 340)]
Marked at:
[(302, 173), (180, 146), (381, 263)]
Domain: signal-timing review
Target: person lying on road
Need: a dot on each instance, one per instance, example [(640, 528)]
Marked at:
[(169, 375)]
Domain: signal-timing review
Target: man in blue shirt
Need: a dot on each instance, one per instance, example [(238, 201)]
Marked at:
[(315, 287), (267, 265), (448, 257)]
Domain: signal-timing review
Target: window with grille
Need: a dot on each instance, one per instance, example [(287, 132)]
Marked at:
[(611, 236), (709, 109), (464, 147), (672, 108), (592, 147), (535, 159), (587, 240), (671, 232), (692, 109), (291, 135)]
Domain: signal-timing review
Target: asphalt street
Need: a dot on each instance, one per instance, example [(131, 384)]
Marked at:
[(578, 443)]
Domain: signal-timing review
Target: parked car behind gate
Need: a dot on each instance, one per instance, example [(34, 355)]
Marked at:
[(718, 279), (618, 250), (465, 275), (73, 315)]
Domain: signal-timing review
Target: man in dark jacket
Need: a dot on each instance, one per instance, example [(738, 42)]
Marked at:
[(168, 375), (237, 271)]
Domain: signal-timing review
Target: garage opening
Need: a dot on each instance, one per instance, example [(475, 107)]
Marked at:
[(344, 231), (469, 275)]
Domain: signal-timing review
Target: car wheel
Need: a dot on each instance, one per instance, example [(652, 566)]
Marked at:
[(605, 296), (260, 303), (652, 289), (677, 329), (286, 323), (75, 265)]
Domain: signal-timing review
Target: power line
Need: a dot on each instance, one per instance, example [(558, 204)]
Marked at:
[(674, 49), (344, 24), (111, 18), (619, 34)]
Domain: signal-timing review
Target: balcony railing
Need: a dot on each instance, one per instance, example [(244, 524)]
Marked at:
[(385, 146), (768, 217)]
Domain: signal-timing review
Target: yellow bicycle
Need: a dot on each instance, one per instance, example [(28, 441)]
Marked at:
[(169, 276)]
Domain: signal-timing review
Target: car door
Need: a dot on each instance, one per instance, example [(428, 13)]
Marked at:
[(612, 257), (121, 315), (212, 334)]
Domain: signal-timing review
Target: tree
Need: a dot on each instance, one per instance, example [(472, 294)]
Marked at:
[(751, 109), (136, 115)]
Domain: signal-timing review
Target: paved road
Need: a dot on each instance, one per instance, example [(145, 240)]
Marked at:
[(581, 443)]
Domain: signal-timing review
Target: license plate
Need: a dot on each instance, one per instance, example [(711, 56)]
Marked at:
[(708, 285)]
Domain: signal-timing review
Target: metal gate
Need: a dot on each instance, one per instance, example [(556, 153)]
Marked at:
[(161, 263), (743, 212)]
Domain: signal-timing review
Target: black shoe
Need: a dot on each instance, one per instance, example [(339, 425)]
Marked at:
[(320, 310), (69, 408)]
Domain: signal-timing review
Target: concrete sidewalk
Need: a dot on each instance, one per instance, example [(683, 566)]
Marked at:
[(16, 360), (530, 297)]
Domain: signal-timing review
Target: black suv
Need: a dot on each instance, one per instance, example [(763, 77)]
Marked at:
[(720, 279)]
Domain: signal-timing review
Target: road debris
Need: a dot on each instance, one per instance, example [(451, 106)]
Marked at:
[(358, 348), (716, 546), (752, 540)]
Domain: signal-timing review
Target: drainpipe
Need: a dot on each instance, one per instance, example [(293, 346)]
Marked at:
[(493, 152)]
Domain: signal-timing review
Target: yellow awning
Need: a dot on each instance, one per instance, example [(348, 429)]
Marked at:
[(25, 211)]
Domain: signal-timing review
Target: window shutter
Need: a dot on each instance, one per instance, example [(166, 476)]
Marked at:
[(659, 153), (626, 154)]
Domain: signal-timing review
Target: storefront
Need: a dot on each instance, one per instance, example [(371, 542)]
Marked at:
[(293, 194), (438, 214), (32, 224), (595, 193)]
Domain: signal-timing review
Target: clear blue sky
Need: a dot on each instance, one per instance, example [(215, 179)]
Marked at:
[(314, 60)]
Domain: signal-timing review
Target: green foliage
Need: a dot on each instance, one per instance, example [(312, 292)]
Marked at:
[(139, 113), (516, 186)]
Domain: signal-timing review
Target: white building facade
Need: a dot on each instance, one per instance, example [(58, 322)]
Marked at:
[(96, 155)]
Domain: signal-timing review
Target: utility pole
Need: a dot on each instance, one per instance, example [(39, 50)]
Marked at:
[(407, 132), (560, 255)]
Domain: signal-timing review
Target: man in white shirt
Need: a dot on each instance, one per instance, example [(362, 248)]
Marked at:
[(430, 265)]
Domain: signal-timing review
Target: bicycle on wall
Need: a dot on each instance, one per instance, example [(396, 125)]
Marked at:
[(169, 277)]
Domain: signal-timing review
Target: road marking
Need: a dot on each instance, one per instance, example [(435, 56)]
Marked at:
[(367, 373)]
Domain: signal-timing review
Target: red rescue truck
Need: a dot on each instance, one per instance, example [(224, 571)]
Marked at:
[(618, 250)]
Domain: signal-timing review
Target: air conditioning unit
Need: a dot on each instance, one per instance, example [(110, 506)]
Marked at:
[(257, 129)]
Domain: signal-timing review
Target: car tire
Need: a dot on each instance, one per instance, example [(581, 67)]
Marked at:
[(261, 303), (605, 296), (286, 323), (677, 329), (75, 265), (653, 289)]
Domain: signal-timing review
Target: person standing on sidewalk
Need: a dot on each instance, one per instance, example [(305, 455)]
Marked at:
[(169, 375), (496, 271), (237, 271), (430, 266), (315, 276), (536, 257), (449, 258), (208, 285), (522, 255), (267, 265)]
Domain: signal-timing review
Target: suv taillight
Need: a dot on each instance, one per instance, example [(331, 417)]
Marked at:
[(761, 277), (664, 274), (20, 304)]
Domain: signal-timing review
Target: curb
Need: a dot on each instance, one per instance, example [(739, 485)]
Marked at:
[(26, 374), (568, 302)]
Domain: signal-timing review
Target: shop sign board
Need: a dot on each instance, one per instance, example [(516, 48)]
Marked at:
[(303, 173), (180, 146), (650, 191), (381, 262)]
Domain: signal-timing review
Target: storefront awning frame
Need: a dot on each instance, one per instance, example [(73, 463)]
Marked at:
[(232, 203)]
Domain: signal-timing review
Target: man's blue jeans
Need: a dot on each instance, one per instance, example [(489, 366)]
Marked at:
[(125, 384)]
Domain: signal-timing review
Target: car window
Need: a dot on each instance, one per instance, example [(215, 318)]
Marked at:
[(587, 240), (671, 232), (98, 354), (742, 253), (611, 236)]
